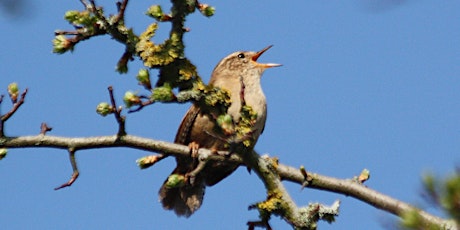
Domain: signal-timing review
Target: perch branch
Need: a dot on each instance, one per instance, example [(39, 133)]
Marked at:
[(316, 181)]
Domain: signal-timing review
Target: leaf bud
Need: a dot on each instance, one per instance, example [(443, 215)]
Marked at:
[(104, 109)]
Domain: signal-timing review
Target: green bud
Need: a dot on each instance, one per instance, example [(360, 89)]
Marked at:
[(131, 99), (163, 93), (61, 44), (71, 16), (143, 162), (156, 12), (143, 76), (225, 122), (104, 109), (13, 91), (84, 18), (148, 161), (207, 10), (364, 176), (175, 181), (3, 152)]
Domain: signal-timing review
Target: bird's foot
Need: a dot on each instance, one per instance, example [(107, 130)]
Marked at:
[(194, 149)]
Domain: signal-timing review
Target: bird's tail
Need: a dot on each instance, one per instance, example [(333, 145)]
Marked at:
[(184, 200)]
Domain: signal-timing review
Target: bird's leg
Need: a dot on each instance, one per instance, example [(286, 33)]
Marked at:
[(193, 149)]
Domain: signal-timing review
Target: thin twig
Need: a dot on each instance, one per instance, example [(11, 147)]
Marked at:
[(117, 113), (10, 113), (121, 10), (149, 161), (141, 106), (85, 4), (44, 128), (263, 224), (16, 106), (62, 32), (75, 172)]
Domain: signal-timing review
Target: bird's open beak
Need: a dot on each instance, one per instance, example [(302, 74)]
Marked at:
[(264, 65)]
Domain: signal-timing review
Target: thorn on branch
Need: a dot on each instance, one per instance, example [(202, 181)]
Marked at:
[(75, 173), (44, 128)]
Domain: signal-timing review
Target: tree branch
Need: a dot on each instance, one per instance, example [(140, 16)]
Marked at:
[(75, 172), (313, 180), (5, 117)]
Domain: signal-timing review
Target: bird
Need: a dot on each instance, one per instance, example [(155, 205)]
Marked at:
[(237, 70)]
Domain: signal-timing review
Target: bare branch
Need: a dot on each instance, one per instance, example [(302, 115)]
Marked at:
[(121, 6), (117, 113), (360, 192), (316, 181), (44, 128), (75, 172)]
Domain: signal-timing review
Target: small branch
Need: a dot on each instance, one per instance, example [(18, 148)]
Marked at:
[(117, 113), (121, 10), (92, 6), (263, 224), (44, 128), (84, 3), (148, 161), (10, 113), (141, 106), (75, 172), (16, 106), (62, 32)]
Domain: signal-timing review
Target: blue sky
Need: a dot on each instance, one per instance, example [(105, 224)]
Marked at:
[(363, 85)]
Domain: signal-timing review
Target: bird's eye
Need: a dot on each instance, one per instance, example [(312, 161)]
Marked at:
[(241, 55)]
